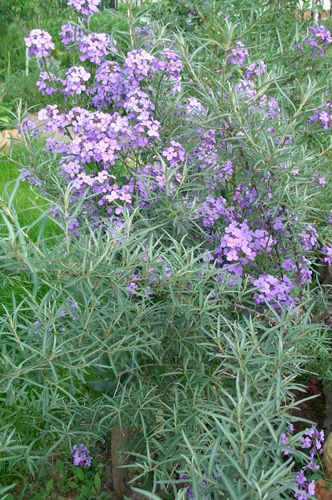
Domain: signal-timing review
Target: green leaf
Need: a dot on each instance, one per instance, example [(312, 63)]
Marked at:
[(85, 491), (103, 386), (9, 497), (59, 465), (49, 485), (148, 494), (166, 496), (97, 482), (319, 9), (147, 484), (72, 484), (79, 473)]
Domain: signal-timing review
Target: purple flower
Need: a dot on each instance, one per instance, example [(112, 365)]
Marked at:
[(303, 487), (40, 43), (306, 442), (284, 438), (288, 265), (140, 64), (255, 69), (322, 33), (308, 238), (85, 6), (76, 77), (27, 127), (95, 46), (273, 290), (175, 153), (70, 33), (45, 77), (328, 256), (81, 456), (240, 243), (311, 488), (300, 477), (237, 54)]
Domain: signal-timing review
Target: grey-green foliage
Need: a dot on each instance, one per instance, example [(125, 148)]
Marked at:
[(198, 375), (199, 380)]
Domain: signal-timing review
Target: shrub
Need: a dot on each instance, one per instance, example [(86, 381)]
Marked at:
[(177, 300)]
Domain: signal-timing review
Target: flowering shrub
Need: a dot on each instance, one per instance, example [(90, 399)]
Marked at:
[(187, 206)]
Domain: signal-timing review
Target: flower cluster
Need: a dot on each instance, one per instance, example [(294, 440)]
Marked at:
[(95, 46), (240, 243), (43, 83), (321, 35), (70, 33), (76, 78), (328, 255), (256, 68), (40, 43), (312, 440), (308, 238), (238, 54), (86, 7), (323, 115), (27, 127), (81, 456), (273, 290)]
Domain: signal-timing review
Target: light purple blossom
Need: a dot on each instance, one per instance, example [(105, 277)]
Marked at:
[(256, 68), (240, 243), (95, 46), (44, 87), (81, 456), (308, 238), (86, 7), (70, 33), (237, 54), (175, 153), (75, 82), (274, 290), (40, 43), (27, 127), (328, 254)]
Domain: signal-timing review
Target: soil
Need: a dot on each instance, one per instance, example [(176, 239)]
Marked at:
[(314, 409), (328, 410)]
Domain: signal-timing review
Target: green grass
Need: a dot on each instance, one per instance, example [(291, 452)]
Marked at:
[(29, 202), (25, 198), (29, 205)]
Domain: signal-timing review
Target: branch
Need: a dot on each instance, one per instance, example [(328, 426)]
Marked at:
[(253, 311), (316, 319), (323, 316)]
